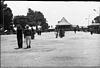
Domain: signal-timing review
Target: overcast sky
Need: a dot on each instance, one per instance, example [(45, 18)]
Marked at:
[(75, 12)]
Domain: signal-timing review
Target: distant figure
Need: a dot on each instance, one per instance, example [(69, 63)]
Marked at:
[(61, 33), (91, 32), (27, 36), (33, 33), (19, 36), (75, 30), (38, 30), (99, 29), (56, 32)]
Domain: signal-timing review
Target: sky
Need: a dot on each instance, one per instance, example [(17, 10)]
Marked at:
[(76, 12)]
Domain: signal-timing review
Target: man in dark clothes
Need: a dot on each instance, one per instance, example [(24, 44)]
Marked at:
[(75, 30), (19, 36), (39, 32), (61, 33), (57, 31), (33, 33)]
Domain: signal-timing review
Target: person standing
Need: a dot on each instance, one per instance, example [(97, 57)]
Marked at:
[(33, 33), (75, 30), (39, 30), (27, 36), (56, 32), (19, 36), (61, 33)]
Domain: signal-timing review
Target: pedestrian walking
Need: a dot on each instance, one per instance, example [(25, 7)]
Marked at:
[(75, 30), (39, 30), (27, 36), (19, 36), (33, 33), (56, 32), (61, 33)]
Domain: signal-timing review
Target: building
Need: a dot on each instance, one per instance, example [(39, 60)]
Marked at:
[(63, 24)]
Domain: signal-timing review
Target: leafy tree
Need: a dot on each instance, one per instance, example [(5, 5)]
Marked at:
[(1, 11), (97, 19), (36, 18), (22, 20), (45, 26), (6, 16), (33, 18), (31, 15)]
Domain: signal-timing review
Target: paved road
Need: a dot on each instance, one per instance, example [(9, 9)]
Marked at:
[(73, 51)]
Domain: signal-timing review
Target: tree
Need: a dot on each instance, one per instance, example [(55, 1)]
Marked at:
[(1, 11), (6, 17), (30, 15), (97, 19), (22, 20), (33, 18), (36, 17), (45, 26)]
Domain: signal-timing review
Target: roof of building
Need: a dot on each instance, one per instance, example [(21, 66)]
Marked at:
[(63, 21)]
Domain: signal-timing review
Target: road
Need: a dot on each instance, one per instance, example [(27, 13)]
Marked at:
[(73, 51)]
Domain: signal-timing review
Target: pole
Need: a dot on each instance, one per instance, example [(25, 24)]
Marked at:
[(99, 11), (88, 19)]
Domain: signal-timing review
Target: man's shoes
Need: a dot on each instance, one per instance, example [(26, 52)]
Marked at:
[(26, 47), (17, 48), (29, 46)]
